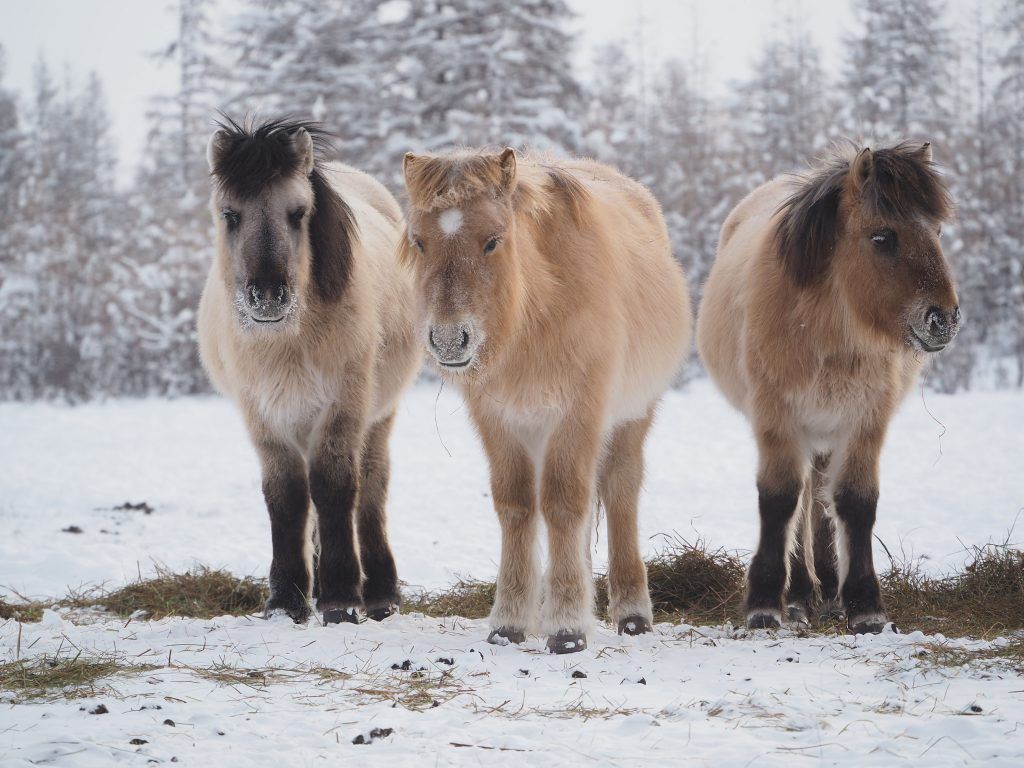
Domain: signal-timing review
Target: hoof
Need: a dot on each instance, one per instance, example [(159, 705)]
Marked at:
[(506, 635), (796, 615), (870, 625), (341, 616), (762, 620), (382, 612), (567, 641), (299, 612), (634, 625)]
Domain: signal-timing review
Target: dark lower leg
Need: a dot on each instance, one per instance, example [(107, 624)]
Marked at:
[(861, 596), (286, 493), (380, 588), (766, 579), (333, 489)]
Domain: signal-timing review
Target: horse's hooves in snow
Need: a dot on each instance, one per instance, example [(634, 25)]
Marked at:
[(341, 616), (760, 620), (796, 615), (870, 625), (506, 635), (382, 612), (634, 625), (299, 612), (567, 641)]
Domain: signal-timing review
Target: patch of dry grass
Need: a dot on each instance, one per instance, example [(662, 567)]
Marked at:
[(201, 593), (466, 598), (985, 599), (691, 581), (26, 612), (687, 581), (53, 677)]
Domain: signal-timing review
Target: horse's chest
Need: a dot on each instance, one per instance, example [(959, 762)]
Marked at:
[(841, 396), (290, 396)]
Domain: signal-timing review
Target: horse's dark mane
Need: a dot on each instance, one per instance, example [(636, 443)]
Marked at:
[(900, 184), (250, 158)]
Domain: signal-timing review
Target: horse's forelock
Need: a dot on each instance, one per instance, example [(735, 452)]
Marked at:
[(904, 184), (443, 181), (901, 184), (249, 158)]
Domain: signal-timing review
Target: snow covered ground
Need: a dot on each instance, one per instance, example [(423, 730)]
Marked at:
[(703, 696), (943, 486)]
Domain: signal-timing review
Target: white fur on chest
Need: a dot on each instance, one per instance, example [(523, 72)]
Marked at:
[(290, 398)]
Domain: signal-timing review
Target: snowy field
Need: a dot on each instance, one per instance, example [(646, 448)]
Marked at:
[(704, 696)]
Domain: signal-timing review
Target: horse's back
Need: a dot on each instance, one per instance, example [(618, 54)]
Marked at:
[(645, 294), (386, 284)]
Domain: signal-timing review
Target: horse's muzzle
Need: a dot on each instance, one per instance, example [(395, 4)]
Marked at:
[(268, 303), (935, 329), (453, 344)]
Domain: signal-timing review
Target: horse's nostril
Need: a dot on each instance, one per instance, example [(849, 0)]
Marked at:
[(465, 339), (934, 321), (433, 341)]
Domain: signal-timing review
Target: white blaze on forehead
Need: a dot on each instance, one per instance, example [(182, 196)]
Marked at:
[(450, 221)]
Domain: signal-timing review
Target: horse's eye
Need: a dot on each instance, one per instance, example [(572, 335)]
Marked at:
[(491, 244), (419, 245), (884, 240), (231, 218), (295, 217)]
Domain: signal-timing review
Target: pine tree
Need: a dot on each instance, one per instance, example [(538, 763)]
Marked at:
[(897, 71), (782, 112)]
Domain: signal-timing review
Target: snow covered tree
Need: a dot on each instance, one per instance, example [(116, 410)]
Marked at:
[(897, 73), (782, 113), (1008, 180), (615, 130)]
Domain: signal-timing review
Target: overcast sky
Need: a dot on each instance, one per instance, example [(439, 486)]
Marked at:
[(113, 37)]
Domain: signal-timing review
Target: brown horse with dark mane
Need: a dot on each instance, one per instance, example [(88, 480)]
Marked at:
[(828, 291)]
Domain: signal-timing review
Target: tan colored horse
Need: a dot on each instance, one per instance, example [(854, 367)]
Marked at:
[(550, 297), (306, 323), (827, 293)]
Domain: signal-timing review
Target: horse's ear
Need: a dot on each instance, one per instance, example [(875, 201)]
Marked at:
[(302, 145), (214, 149), (409, 163), (507, 161), (861, 167), (926, 152)]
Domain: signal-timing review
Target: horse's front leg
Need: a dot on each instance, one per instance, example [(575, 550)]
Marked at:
[(566, 491), (780, 480), (856, 502), (515, 501), (286, 492), (334, 487)]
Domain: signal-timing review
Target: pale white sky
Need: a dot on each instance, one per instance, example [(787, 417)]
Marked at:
[(114, 38)]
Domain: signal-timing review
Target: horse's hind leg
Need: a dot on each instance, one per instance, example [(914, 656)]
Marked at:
[(619, 480), (800, 592), (381, 597), (810, 573), (825, 564)]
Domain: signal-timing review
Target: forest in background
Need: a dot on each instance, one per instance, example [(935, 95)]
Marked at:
[(99, 283)]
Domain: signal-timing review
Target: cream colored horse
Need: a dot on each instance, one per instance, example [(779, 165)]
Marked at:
[(549, 296), (306, 323)]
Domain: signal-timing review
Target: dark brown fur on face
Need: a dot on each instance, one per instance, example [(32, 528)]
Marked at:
[(897, 183), (826, 291)]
